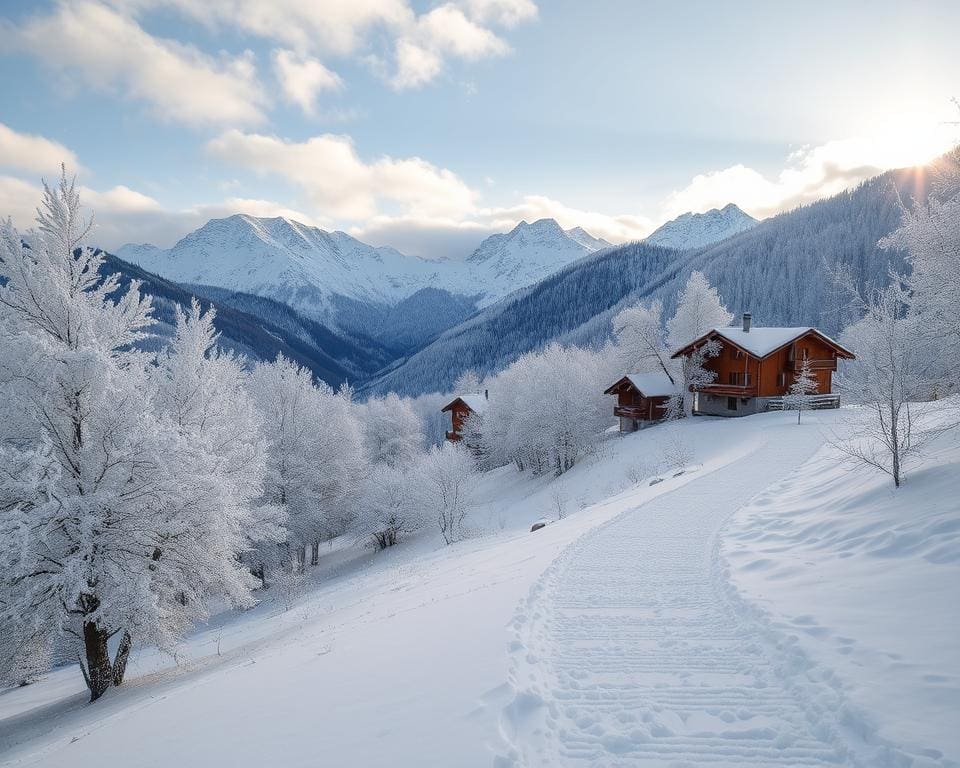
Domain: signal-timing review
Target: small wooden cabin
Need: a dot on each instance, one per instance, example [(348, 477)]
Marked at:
[(757, 365), (641, 399), (460, 409)]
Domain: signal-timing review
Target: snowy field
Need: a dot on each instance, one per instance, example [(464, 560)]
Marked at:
[(769, 606)]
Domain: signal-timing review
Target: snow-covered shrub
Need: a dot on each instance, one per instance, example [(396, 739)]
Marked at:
[(546, 410), (389, 506), (446, 484), (393, 434)]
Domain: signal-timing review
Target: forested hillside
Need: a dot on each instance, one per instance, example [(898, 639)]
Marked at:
[(782, 270), (255, 326)]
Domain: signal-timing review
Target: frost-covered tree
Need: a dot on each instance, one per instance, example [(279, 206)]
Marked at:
[(220, 461), (641, 341), (467, 382), (699, 310), (389, 508), (892, 376), (800, 395), (546, 410), (930, 234), (393, 434), (446, 479), (97, 540), (315, 456)]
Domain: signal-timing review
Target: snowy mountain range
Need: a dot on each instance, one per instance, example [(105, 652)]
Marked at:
[(316, 272), (696, 230)]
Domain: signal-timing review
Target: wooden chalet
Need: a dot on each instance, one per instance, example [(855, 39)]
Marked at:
[(460, 409), (641, 399), (756, 367)]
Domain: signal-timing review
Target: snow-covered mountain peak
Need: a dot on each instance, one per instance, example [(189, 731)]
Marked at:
[(695, 230), (308, 267)]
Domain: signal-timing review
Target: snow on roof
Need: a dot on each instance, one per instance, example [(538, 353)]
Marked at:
[(762, 341), (476, 402), (652, 384)]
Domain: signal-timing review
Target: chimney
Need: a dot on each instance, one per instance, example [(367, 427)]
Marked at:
[(486, 394), (747, 317)]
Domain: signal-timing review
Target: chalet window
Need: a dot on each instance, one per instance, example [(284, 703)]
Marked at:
[(731, 403), (806, 353), (781, 379), (738, 379)]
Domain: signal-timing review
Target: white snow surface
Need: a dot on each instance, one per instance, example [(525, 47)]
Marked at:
[(696, 230), (760, 340), (476, 402), (652, 384), (305, 266), (765, 607)]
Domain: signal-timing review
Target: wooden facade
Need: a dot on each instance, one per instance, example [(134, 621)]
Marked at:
[(752, 371), (460, 409), (635, 408)]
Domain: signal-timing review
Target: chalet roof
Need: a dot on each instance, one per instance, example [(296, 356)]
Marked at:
[(761, 341), (648, 384), (476, 402)]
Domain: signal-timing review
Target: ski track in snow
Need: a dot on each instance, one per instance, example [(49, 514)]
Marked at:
[(634, 648)]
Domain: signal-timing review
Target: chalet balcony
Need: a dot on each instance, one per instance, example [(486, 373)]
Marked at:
[(816, 365), (630, 411), (730, 390)]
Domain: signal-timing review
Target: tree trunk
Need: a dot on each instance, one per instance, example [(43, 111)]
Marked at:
[(315, 553), (99, 671), (120, 660)]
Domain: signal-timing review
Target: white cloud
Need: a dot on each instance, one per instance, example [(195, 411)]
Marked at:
[(419, 42), (809, 174), (506, 13), (443, 31), (341, 184), (122, 215), (303, 79), (110, 51), (27, 152), (339, 27), (436, 237), (416, 66)]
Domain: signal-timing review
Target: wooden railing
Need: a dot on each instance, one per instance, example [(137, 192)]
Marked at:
[(816, 365), (630, 411), (814, 402)]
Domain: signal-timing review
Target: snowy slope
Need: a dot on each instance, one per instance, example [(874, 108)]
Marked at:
[(310, 269), (695, 230), (614, 636)]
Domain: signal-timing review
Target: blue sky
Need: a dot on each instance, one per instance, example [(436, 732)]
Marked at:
[(431, 125)]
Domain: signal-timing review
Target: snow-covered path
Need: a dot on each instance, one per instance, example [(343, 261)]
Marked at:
[(632, 649)]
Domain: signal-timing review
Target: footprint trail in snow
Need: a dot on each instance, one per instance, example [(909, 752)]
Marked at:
[(634, 650)]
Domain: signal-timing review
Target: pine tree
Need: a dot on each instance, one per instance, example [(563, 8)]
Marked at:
[(802, 389)]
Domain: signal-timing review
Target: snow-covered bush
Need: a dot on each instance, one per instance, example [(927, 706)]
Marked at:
[(393, 434), (546, 410), (446, 484), (390, 507)]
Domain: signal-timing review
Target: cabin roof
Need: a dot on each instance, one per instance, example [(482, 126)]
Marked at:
[(763, 341), (648, 384), (476, 402)]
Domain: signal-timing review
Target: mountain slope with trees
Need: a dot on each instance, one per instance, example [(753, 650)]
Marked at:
[(784, 270)]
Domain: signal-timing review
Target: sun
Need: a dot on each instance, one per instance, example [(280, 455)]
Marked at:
[(913, 138)]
